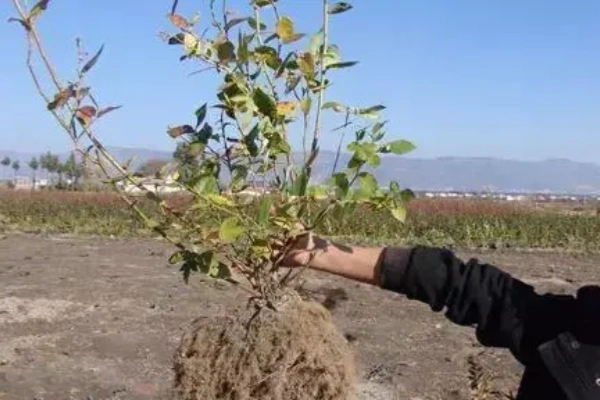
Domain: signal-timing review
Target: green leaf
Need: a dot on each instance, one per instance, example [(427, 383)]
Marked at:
[(340, 65), (377, 131), (204, 134), (90, 64), (23, 23), (294, 38), (250, 141), (337, 107), (226, 52), (331, 104), (195, 148), (253, 23), (264, 209), (233, 22), (316, 41), (238, 176), (265, 103), (368, 183), (331, 56), (370, 112), (266, 51), (37, 9), (339, 8), (176, 39), (407, 195), (230, 230), (398, 147), (394, 188), (360, 134), (220, 200), (243, 50), (354, 163), (270, 38), (218, 270), (286, 63), (263, 3), (374, 160), (206, 263), (176, 257), (399, 212), (260, 248), (269, 56), (363, 151), (205, 185), (200, 115), (368, 187), (342, 184), (317, 192), (300, 184)]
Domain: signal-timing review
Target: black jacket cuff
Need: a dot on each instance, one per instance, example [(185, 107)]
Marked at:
[(394, 263)]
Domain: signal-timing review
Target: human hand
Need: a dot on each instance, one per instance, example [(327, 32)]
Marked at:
[(305, 250), (302, 251)]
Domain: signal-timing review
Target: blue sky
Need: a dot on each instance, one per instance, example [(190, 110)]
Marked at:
[(513, 78)]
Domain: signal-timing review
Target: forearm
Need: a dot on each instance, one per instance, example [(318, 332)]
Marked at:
[(361, 264)]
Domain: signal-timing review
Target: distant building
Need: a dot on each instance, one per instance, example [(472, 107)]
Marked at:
[(26, 183), (23, 183)]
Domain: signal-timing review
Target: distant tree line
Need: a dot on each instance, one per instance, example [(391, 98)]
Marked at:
[(70, 173), (67, 174)]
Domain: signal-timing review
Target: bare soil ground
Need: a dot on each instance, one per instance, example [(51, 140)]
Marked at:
[(98, 318)]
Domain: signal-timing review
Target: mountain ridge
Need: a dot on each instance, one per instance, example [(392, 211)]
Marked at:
[(556, 175)]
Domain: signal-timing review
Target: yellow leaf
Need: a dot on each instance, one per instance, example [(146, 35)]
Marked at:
[(220, 200), (306, 62), (285, 29), (305, 105), (399, 213), (210, 234), (286, 108), (190, 43)]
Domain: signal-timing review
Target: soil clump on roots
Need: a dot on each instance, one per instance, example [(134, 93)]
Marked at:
[(295, 353)]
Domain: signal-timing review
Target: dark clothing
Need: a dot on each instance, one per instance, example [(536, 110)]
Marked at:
[(555, 337)]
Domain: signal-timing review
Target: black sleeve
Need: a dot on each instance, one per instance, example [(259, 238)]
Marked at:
[(505, 311)]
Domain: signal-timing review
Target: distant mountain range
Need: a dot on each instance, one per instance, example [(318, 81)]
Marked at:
[(447, 173)]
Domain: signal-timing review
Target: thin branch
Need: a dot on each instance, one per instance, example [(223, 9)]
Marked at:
[(322, 74), (174, 6), (33, 32)]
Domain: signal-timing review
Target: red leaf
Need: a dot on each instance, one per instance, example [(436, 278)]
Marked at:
[(177, 131), (61, 98), (85, 114), (178, 21)]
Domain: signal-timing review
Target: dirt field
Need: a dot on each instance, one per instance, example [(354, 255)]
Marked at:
[(85, 318)]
